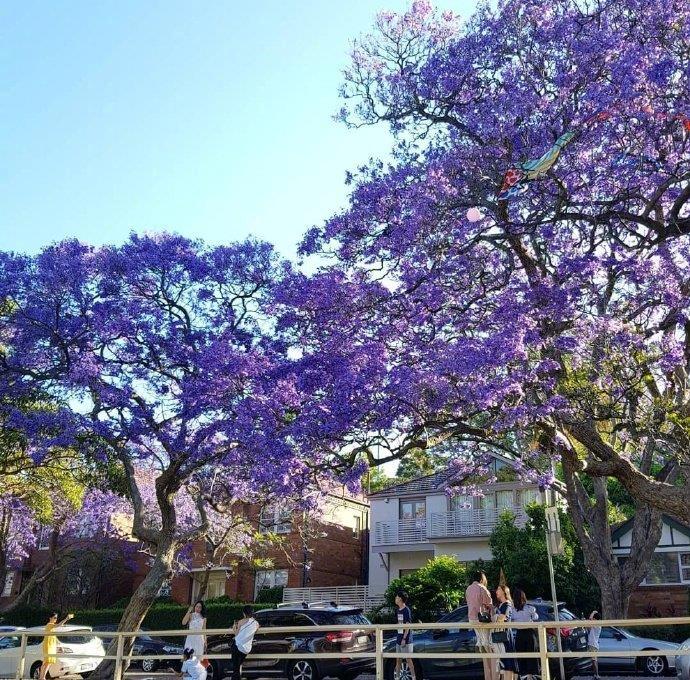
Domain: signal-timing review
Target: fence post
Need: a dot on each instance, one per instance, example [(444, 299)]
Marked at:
[(22, 658), (544, 653), (379, 652), (118, 658)]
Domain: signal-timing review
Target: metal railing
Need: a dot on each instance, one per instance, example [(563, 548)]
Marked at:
[(381, 654), (470, 521), (459, 523), (400, 531), (353, 596)]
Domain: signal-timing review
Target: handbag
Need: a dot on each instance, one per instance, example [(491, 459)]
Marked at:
[(499, 637), (484, 616)]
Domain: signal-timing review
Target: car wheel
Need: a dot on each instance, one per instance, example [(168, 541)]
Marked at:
[(389, 672), (36, 671), (149, 665), (303, 670), (653, 665)]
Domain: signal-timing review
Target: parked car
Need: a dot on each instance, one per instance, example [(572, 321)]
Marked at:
[(456, 640), (72, 639), (302, 644), (145, 644), (683, 661), (615, 639)]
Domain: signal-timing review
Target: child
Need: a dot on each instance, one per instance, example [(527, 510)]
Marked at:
[(192, 668), (593, 641)]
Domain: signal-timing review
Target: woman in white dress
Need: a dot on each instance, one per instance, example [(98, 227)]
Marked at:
[(196, 619)]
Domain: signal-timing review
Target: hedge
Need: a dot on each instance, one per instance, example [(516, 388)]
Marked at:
[(160, 616)]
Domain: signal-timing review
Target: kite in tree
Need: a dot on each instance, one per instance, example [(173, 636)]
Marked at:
[(514, 182)]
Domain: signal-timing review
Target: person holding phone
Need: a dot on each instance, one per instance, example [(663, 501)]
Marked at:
[(50, 643), (244, 631)]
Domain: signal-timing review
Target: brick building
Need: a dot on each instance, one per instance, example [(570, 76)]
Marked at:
[(331, 552)]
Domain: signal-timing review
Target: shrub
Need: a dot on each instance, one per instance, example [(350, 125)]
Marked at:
[(438, 587), (270, 595), (160, 617)]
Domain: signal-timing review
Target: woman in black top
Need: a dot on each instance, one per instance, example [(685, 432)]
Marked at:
[(504, 612), (525, 638)]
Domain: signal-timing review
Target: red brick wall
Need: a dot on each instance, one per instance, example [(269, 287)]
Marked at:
[(337, 559), (651, 601)]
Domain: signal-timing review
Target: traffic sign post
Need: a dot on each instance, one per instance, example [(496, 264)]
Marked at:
[(554, 546)]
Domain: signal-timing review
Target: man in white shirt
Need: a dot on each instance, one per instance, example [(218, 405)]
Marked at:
[(244, 631)]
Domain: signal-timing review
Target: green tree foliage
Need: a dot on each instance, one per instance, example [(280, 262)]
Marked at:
[(437, 587), (521, 554)]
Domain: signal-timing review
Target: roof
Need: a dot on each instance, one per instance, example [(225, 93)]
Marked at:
[(420, 485), (624, 527)]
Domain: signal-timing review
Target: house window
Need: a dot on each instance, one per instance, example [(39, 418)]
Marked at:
[(487, 502), (461, 502), (44, 535), (275, 520), (270, 579), (684, 567), (504, 499), (406, 572), (9, 584), (413, 509), (526, 497), (357, 530), (663, 568)]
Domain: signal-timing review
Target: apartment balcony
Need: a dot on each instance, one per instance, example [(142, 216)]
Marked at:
[(470, 522), (466, 523), (402, 531)]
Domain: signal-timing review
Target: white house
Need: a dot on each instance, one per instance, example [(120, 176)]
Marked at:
[(414, 521)]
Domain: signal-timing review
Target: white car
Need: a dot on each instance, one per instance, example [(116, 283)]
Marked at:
[(683, 661), (71, 640)]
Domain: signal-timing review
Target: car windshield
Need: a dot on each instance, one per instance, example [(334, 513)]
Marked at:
[(457, 615), (76, 639), (350, 619), (546, 612)]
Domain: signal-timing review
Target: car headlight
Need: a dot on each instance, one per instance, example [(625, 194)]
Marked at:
[(685, 645)]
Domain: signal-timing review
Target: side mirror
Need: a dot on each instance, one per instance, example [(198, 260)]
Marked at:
[(440, 634), (619, 636)]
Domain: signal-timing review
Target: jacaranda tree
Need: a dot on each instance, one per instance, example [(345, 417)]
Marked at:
[(164, 357), (517, 277)]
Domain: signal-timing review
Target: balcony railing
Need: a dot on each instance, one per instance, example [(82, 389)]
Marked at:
[(470, 522), (457, 523), (400, 531)]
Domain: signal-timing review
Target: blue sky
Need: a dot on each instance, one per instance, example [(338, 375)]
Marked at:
[(211, 119)]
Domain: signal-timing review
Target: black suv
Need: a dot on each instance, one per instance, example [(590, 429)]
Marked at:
[(302, 644), (145, 644), (456, 640)]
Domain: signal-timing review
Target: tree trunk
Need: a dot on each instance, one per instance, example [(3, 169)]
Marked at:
[(614, 597), (616, 581), (139, 605), (204, 583)]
